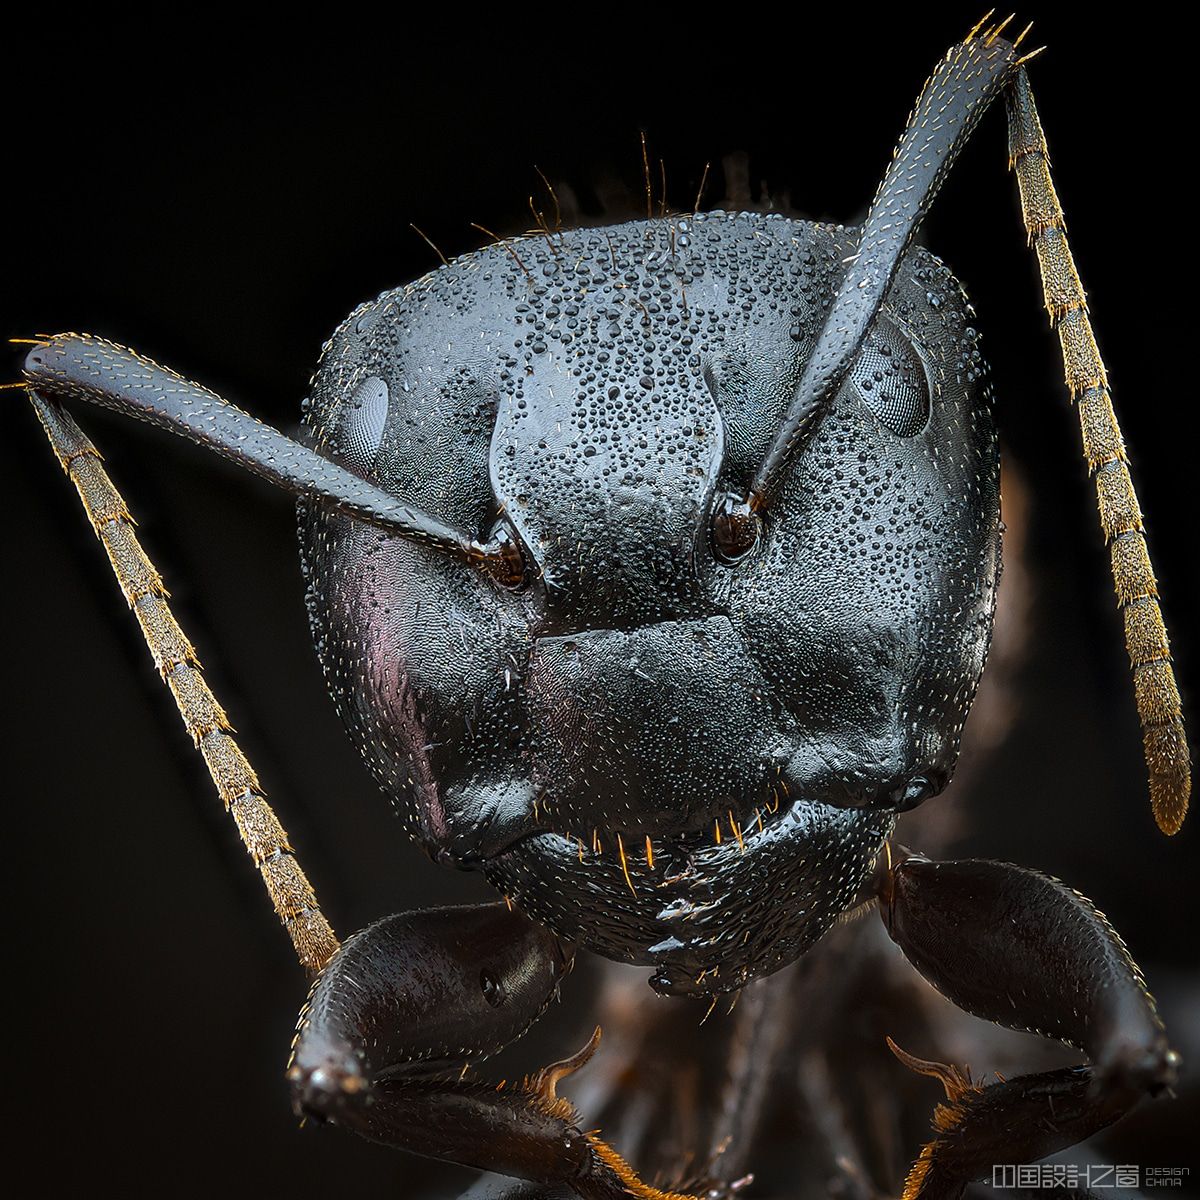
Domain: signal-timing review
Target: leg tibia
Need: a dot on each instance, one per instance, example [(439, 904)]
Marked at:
[(1015, 1121)]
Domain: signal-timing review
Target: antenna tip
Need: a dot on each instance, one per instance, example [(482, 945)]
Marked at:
[(1169, 796)]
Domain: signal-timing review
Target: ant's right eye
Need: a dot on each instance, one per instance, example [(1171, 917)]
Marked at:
[(891, 381)]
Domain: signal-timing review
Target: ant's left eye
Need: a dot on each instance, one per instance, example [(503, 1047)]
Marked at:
[(362, 423), (891, 381)]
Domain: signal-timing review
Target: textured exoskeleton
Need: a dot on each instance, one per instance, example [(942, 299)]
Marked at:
[(759, 721), (652, 569)]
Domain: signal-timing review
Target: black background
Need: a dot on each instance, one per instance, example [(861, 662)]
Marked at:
[(220, 199)]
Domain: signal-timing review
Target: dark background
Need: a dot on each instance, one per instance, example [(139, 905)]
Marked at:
[(220, 201)]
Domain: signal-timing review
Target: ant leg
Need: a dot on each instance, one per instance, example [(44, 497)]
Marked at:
[(265, 839), (385, 1042), (1019, 948)]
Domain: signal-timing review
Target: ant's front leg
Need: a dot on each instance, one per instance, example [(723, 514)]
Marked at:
[(396, 1014), (1018, 948)]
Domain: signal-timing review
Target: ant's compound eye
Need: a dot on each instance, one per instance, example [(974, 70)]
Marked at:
[(507, 566), (362, 423), (492, 988), (735, 529), (890, 380)]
